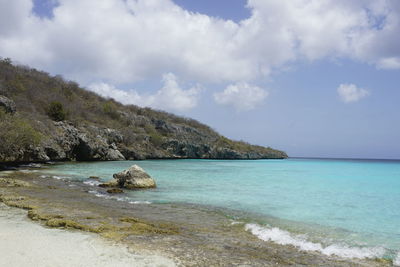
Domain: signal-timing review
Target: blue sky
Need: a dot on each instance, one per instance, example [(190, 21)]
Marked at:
[(314, 79)]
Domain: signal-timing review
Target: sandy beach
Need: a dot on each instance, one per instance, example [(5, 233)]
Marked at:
[(24, 243)]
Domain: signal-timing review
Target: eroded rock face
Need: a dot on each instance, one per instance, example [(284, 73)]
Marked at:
[(134, 178), (88, 144), (8, 104)]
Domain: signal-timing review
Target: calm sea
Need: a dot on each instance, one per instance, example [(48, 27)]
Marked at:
[(349, 208)]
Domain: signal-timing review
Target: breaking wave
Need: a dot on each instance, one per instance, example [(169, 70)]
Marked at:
[(283, 237)]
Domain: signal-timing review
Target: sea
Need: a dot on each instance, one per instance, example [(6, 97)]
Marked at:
[(347, 208)]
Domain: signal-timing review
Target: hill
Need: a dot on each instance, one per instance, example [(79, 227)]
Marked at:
[(44, 117)]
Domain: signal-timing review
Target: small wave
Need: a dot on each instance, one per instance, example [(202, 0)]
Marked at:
[(282, 237), (102, 195), (92, 182), (59, 177), (98, 194), (31, 165), (28, 171), (139, 202)]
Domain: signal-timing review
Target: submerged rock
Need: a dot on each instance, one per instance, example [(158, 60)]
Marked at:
[(133, 178), (115, 191), (112, 183)]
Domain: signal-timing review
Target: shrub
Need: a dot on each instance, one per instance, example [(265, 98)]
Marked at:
[(156, 139), (111, 110), (16, 133), (56, 111)]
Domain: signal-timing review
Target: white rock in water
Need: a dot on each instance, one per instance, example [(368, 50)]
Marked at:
[(133, 178)]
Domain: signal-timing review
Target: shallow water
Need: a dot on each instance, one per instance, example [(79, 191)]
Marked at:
[(344, 207)]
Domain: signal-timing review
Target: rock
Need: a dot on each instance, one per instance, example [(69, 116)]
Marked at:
[(31, 165), (133, 178), (115, 191), (83, 145), (112, 183), (8, 104), (94, 177), (114, 154)]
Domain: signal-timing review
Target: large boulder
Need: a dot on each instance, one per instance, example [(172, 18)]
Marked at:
[(134, 178), (8, 105)]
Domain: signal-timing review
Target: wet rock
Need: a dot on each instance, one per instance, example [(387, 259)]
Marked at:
[(133, 178), (115, 191), (8, 104), (112, 183), (31, 165)]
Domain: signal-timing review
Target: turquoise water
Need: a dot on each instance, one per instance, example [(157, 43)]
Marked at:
[(345, 203)]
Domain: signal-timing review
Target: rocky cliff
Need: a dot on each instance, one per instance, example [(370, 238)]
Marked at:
[(46, 118)]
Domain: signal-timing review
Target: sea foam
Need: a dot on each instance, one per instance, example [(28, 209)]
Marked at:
[(283, 237), (139, 202), (92, 182), (396, 261), (106, 196)]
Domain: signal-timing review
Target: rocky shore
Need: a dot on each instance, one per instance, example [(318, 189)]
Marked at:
[(67, 142), (189, 235)]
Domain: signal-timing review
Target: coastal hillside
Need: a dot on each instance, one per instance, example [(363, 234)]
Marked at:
[(46, 118)]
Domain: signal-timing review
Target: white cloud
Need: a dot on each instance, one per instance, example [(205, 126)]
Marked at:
[(389, 63), (351, 93), (241, 95), (124, 41), (170, 97), (109, 91)]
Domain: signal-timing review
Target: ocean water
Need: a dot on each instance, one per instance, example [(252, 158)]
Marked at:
[(349, 208)]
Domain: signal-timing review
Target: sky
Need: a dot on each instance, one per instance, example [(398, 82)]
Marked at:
[(313, 78)]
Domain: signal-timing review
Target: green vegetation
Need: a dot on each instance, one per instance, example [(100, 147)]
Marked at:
[(155, 137), (56, 111), (111, 109), (16, 133)]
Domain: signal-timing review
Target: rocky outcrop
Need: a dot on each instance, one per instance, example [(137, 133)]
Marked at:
[(91, 143), (97, 129), (8, 104), (83, 145), (134, 178), (71, 143)]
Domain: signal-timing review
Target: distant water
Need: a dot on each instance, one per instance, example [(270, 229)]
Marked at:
[(349, 208)]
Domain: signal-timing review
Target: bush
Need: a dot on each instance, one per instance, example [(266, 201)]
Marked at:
[(16, 133), (156, 139), (56, 111), (111, 110)]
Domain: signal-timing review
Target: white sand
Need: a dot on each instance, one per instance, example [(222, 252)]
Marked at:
[(25, 243)]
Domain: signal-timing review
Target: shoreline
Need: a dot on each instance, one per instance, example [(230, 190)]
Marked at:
[(194, 237), (25, 243)]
